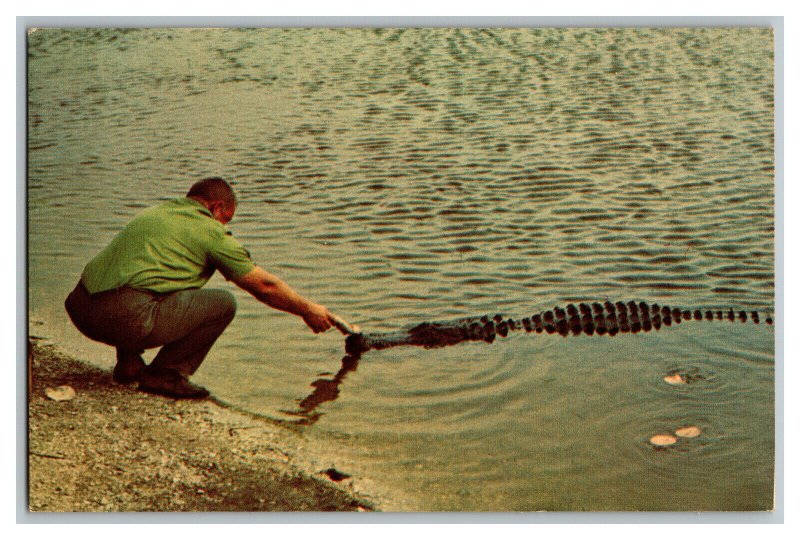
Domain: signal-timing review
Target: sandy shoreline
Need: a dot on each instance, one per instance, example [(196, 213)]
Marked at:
[(114, 449)]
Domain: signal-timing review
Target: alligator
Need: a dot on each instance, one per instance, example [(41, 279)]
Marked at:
[(591, 319)]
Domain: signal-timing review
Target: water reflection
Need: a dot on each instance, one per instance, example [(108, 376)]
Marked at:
[(324, 390)]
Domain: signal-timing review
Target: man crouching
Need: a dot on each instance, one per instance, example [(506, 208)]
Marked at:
[(144, 290)]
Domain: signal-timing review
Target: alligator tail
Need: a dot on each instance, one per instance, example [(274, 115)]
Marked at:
[(589, 319)]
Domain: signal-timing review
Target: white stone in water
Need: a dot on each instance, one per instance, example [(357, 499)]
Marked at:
[(688, 431), (663, 440), (674, 379)]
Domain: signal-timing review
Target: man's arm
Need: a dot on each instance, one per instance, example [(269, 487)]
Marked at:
[(276, 293)]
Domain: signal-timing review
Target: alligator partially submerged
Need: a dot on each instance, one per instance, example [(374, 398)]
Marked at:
[(590, 319)]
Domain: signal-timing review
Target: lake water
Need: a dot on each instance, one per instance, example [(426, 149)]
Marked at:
[(403, 176)]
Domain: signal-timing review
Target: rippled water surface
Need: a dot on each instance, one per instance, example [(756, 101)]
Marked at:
[(402, 176)]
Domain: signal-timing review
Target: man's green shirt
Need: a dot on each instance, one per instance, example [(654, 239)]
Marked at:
[(175, 246)]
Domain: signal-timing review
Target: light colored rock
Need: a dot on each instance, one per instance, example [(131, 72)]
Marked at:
[(663, 440), (60, 393), (674, 379), (688, 431)]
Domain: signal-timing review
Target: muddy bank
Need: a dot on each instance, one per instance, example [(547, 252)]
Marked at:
[(114, 449)]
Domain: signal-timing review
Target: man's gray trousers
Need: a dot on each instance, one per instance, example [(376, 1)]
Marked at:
[(185, 324)]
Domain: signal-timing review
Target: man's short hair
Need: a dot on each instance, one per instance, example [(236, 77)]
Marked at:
[(212, 190)]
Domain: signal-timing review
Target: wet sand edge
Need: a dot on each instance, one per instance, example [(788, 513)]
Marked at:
[(115, 449)]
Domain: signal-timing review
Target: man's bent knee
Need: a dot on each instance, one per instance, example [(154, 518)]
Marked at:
[(225, 302)]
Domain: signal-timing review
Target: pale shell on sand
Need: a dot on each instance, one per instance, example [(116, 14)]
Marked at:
[(60, 393), (663, 440), (689, 431)]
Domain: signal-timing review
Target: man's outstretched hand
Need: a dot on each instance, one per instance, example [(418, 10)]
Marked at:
[(319, 319), (276, 293)]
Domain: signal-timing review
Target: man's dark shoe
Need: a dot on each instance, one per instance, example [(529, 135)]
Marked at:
[(128, 368), (168, 382)]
